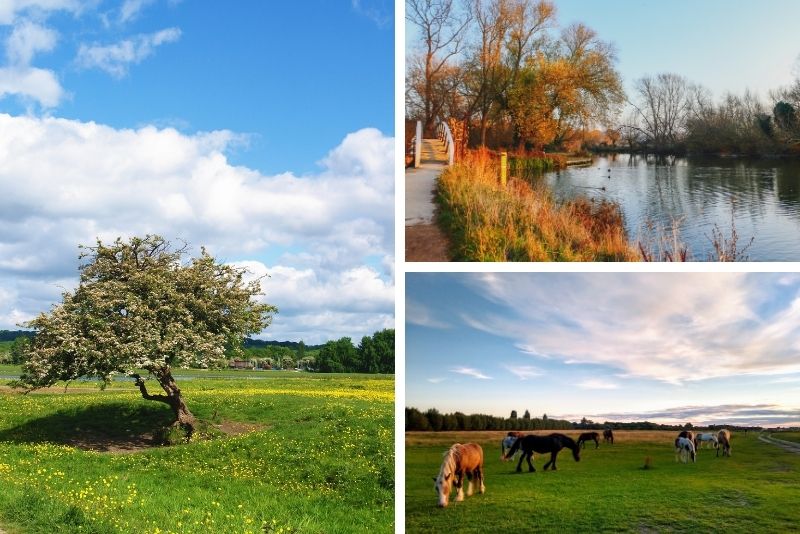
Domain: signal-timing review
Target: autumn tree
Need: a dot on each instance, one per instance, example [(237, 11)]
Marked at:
[(141, 304), (433, 76)]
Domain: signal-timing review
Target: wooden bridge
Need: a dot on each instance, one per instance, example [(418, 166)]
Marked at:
[(431, 156)]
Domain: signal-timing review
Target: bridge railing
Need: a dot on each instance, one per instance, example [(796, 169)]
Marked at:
[(417, 144), (446, 136)]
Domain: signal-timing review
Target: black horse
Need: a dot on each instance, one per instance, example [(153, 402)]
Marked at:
[(589, 436), (608, 436), (551, 443)]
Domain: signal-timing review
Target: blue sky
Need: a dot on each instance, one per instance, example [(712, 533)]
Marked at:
[(667, 347), (725, 45), (262, 130)]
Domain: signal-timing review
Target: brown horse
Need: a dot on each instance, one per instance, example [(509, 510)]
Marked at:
[(688, 434), (460, 460), (589, 436), (724, 439), (608, 436)]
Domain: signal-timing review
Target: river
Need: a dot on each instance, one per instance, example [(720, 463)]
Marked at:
[(763, 196)]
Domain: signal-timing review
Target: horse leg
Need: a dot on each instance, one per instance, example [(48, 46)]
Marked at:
[(531, 469), (519, 464), (469, 483), (596, 443), (480, 480), (460, 487)]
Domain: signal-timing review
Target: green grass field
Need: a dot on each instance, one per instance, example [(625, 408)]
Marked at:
[(294, 452), (755, 490), (787, 436)]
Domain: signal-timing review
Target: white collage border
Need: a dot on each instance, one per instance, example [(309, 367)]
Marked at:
[(402, 268)]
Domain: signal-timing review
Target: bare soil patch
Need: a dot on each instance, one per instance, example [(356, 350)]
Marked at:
[(96, 441), (426, 242)]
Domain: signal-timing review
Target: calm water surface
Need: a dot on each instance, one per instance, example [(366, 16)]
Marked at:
[(762, 195)]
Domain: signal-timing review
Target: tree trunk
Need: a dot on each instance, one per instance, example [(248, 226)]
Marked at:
[(173, 398)]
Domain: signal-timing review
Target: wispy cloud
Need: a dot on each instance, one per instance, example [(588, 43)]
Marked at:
[(378, 11), (131, 8), (735, 414), (524, 372), (469, 371), (597, 383), (673, 328), (115, 59), (420, 315), (436, 380)]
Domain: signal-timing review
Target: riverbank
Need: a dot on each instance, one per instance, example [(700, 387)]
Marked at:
[(519, 222)]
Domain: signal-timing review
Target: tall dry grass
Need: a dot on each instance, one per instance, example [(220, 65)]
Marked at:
[(520, 222)]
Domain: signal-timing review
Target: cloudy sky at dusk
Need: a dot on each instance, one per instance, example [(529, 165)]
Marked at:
[(666, 347), (230, 126)]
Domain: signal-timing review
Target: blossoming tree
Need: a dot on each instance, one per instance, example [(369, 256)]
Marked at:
[(141, 305)]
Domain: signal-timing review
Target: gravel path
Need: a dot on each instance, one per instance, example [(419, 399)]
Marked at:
[(786, 445)]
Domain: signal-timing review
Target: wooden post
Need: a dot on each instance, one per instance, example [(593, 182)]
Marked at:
[(503, 167)]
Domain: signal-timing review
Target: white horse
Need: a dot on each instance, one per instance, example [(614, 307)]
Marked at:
[(508, 442), (684, 448), (702, 439)]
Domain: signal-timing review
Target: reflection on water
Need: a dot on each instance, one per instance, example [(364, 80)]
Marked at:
[(763, 197)]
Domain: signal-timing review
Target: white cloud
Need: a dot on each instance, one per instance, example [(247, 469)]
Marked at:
[(39, 85), (664, 326), (66, 182), (27, 39), (436, 380), (10, 9), (469, 371), (116, 58)]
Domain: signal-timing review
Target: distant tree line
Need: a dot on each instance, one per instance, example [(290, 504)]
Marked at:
[(374, 354), (433, 420), (11, 335), (670, 114)]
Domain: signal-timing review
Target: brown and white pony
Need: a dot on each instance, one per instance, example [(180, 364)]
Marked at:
[(688, 434), (684, 448), (460, 460), (608, 436), (589, 436), (724, 439)]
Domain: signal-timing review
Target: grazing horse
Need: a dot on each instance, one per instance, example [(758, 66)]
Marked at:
[(508, 442), (608, 436), (724, 438), (684, 447), (589, 436), (551, 443), (460, 460), (702, 439), (688, 434)]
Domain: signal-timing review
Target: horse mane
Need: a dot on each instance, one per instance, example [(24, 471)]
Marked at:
[(450, 460), (565, 440)]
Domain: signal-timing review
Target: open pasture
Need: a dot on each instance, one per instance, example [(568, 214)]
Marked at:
[(290, 453), (756, 489)]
